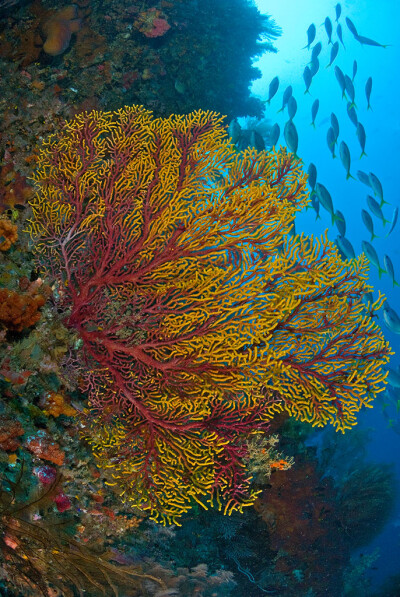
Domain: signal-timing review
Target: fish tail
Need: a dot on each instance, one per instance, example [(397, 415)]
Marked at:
[(363, 153), (385, 221), (328, 65), (369, 107), (306, 47), (381, 271), (349, 176), (268, 101), (312, 124), (383, 202), (352, 105), (374, 236), (395, 283), (318, 217)]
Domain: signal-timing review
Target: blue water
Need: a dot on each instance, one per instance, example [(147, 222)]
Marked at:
[(380, 21)]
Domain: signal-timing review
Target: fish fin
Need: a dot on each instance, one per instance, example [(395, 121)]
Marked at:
[(374, 236), (395, 283), (318, 217), (281, 109), (385, 221), (383, 202), (369, 107), (391, 421), (328, 65), (312, 124), (352, 105), (381, 271), (349, 176), (268, 101), (306, 47), (363, 153), (307, 91)]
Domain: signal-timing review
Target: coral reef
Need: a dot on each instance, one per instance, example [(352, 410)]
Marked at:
[(177, 372)]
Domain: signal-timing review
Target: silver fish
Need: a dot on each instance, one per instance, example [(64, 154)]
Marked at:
[(286, 95), (366, 218), (307, 76), (328, 29), (394, 220), (376, 209), (366, 41), (325, 199), (274, 134), (234, 130), (354, 70), (312, 177), (340, 78), (372, 256), (377, 187), (316, 206), (391, 319), (350, 89), (368, 89), (314, 111), (256, 140), (351, 113), (393, 378), (363, 177), (351, 26), (273, 88), (291, 136), (346, 247), (331, 141), (311, 31), (335, 125), (362, 137), (339, 32), (340, 223), (390, 269), (315, 52), (314, 67), (338, 11), (334, 53), (292, 107), (344, 153)]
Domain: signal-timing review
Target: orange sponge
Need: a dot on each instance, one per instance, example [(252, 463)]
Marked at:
[(58, 30)]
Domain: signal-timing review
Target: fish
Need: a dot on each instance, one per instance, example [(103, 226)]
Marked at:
[(234, 130), (390, 269), (334, 53), (340, 223), (311, 31), (335, 125), (315, 204), (372, 256), (307, 76), (315, 52), (368, 89), (339, 32), (377, 188), (331, 141), (354, 70), (286, 96), (274, 134), (314, 111), (344, 153), (368, 297), (312, 177), (256, 140), (351, 113), (351, 92), (314, 67), (394, 220), (292, 107), (351, 26), (391, 319), (345, 247), (325, 199), (291, 136), (393, 378), (361, 136), (363, 177), (338, 11), (328, 29), (366, 41), (376, 209), (273, 88), (366, 218), (340, 78)]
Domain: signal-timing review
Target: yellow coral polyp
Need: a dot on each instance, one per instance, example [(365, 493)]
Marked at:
[(244, 311)]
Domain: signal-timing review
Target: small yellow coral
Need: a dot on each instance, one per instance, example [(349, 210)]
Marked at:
[(55, 405)]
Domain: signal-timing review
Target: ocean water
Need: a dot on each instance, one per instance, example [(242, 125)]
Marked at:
[(379, 21)]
